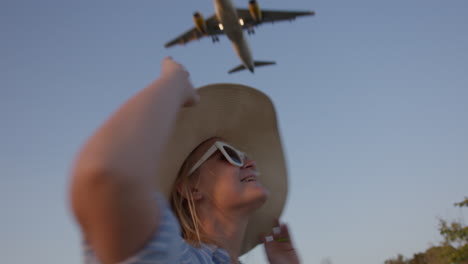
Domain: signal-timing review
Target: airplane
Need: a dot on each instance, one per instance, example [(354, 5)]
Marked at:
[(232, 21)]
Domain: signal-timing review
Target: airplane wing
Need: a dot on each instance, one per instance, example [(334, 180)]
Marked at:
[(270, 16), (212, 29)]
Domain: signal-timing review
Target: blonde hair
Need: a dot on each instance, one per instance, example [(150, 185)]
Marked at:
[(183, 204), (184, 207)]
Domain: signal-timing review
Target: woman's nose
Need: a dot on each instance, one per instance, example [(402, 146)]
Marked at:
[(249, 164)]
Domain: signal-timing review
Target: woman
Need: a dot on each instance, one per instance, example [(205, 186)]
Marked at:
[(173, 143)]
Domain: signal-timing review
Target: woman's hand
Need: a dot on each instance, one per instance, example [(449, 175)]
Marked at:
[(175, 72), (279, 247)]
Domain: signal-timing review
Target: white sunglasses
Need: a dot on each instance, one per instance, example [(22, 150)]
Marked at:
[(234, 156)]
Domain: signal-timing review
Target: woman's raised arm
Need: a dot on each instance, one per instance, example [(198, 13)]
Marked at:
[(112, 187)]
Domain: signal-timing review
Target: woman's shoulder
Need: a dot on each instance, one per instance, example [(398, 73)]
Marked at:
[(166, 244)]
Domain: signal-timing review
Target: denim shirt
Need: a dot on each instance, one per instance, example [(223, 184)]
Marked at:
[(167, 245)]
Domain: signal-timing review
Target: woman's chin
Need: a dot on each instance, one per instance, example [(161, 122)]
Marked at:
[(259, 196), (252, 198), (264, 193)]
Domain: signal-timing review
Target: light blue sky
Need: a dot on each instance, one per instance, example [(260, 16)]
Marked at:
[(372, 100)]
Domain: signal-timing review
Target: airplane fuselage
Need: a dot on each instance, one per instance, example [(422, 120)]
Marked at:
[(227, 16)]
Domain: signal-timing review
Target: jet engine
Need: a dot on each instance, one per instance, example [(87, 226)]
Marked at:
[(200, 23), (255, 11)]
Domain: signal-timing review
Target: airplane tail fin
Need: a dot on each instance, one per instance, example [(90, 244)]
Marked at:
[(256, 64)]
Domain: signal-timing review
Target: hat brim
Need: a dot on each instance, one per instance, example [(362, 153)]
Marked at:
[(246, 118)]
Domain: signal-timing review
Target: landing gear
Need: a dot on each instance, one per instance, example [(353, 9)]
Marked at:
[(215, 38), (250, 31)]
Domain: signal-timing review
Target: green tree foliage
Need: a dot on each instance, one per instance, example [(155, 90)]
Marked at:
[(463, 203), (398, 260), (453, 249), (455, 236), (438, 254)]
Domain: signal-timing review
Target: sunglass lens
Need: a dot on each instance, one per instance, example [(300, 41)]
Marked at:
[(233, 155)]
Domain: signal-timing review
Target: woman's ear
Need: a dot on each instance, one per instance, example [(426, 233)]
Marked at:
[(182, 190), (192, 193), (196, 194)]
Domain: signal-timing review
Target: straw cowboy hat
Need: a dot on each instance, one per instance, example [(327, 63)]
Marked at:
[(245, 118)]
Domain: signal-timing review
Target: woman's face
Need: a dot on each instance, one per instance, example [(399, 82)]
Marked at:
[(226, 186)]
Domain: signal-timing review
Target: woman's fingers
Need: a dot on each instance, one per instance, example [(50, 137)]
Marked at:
[(276, 221), (285, 232), (169, 65), (181, 79), (279, 233)]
